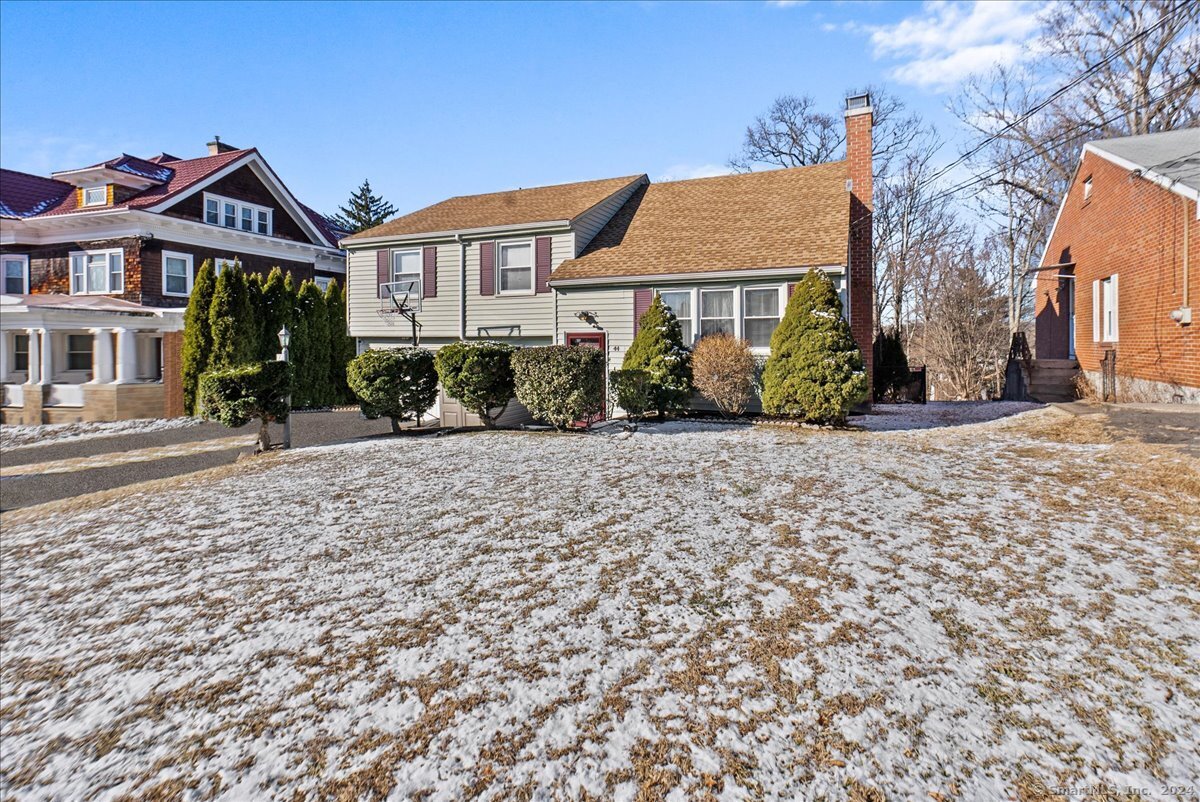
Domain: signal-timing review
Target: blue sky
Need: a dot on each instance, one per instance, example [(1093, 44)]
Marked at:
[(432, 100)]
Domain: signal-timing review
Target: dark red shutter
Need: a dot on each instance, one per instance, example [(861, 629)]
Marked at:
[(641, 302), (383, 269), (429, 272), (487, 268), (791, 289), (542, 263)]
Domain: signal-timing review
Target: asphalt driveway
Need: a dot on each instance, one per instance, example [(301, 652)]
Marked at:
[(76, 467)]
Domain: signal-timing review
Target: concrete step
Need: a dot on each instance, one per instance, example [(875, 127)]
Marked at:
[(1054, 363)]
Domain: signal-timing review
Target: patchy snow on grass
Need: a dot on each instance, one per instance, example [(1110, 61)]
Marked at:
[(689, 612), (14, 436), (937, 414)]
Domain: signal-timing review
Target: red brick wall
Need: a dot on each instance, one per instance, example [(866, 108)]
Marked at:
[(1134, 229), (862, 276)]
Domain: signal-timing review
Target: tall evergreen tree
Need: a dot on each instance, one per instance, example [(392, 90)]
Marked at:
[(197, 335), (815, 370), (364, 210), (341, 345), (658, 349), (254, 302), (310, 348), (234, 334), (277, 301)]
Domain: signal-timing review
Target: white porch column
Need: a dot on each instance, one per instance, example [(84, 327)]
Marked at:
[(47, 362), (34, 357), (126, 356), (102, 356)]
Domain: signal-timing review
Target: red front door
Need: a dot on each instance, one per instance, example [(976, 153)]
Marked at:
[(590, 339)]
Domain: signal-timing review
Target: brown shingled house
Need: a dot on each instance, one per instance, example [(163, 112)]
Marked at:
[(579, 263)]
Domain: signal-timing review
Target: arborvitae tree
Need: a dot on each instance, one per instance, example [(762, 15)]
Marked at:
[(341, 345), (197, 335), (277, 299), (254, 302), (815, 370), (891, 365), (234, 340), (310, 348), (658, 350), (364, 210)]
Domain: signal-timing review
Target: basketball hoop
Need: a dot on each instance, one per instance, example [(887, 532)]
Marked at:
[(402, 298)]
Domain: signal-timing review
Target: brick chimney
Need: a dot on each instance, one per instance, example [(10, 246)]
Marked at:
[(859, 119), (217, 146)]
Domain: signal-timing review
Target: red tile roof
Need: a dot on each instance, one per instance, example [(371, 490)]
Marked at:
[(25, 195)]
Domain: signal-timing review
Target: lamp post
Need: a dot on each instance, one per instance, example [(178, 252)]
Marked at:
[(285, 339)]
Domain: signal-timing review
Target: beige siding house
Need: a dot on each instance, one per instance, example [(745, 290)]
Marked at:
[(579, 263)]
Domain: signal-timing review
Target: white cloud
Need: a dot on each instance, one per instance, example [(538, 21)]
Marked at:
[(682, 172), (947, 41)]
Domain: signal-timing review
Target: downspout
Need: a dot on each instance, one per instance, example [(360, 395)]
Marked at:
[(462, 286), (1183, 315)]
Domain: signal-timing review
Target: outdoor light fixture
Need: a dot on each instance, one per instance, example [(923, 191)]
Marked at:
[(585, 315), (285, 339)]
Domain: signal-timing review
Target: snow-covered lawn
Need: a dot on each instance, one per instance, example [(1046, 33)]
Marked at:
[(13, 436), (690, 612)]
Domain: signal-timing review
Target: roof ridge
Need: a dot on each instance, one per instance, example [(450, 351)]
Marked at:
[(629, 178), (726, 176)]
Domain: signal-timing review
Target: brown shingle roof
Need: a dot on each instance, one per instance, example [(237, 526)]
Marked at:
[(535, 205), (780, 218)]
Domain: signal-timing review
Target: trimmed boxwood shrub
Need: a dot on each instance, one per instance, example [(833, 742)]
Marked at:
[(235, 396), (397, 383), (560, 384), (815, 371), (479, 375), (631, 391)]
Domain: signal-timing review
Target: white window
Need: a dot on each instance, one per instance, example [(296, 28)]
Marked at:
[(95, 196), (21, 353), (97, 272), (177, 273), (1087, 187), (219, 211), (406, 276), (680, 302), (760, 315), (516, 267), (322, 282), (16, 274), (716, 312), (1108, 300)]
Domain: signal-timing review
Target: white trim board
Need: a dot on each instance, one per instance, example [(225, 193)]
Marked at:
[(712, 275)]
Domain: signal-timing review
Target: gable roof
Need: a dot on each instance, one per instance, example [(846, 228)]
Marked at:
[(47, 197), (514, 207), (1170, 158), (795, 217), (24, 195)]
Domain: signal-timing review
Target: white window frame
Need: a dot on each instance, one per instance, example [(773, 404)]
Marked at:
[(500, 246), (16, 337), (414, 299), (24, 260), (735, 314), (103, 188), (240, 209), (188, 276), (322, 282), (1087, 188), (109, 289), (691, 319), (780, 304), (67, 352), (1109, 308)]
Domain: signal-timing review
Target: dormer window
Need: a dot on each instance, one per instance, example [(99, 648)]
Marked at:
[(1087, 188), (95, 196), (229, 213)]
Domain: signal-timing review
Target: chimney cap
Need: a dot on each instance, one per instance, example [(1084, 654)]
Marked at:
[(858, 101), (217, 146)]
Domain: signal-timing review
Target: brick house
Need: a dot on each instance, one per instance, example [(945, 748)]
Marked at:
[(98, 263), (579, 263), (1115, 283)]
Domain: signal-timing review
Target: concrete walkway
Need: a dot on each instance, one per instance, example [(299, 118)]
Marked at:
[(1160, 424), (39, 473)]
